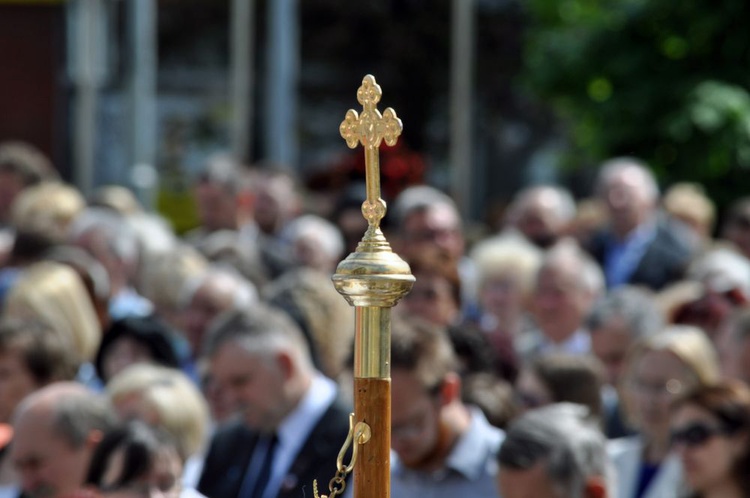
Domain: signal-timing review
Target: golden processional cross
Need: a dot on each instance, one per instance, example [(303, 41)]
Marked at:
[(372, 279)]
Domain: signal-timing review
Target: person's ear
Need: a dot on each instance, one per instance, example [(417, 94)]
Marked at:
[(286, 364), (245, 200), (739, 443), (595, 487), (94, 437), (450, 388)]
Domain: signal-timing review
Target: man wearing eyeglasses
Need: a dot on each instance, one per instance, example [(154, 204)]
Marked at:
[(442, 447), (736, 226), (639, 246), (425, 219)]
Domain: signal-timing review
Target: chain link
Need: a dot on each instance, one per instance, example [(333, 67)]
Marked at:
[(360, 434), (336, 486), (340, 481)]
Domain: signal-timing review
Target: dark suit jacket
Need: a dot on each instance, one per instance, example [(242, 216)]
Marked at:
[(233, 445), (664, 261)]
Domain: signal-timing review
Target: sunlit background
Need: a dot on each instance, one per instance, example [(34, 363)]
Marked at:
[(494, 94)]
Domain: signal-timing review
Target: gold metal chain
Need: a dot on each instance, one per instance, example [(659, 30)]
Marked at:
[(360, 434)]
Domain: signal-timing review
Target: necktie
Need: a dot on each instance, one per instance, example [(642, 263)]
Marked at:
[(264, 452)]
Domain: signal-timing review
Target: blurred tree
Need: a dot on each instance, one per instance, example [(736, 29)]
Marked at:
[(662, 80)]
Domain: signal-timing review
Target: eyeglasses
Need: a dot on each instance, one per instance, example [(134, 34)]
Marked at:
[(695, 434), (670, 387), (431, 235), (165, 486), (141, 491), (426, 294), (417, 424), (740, 221), (530, 400)]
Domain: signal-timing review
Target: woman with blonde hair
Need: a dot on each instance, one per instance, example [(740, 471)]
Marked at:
[(507, 266), (658, 369), (41, 217), (167, 398), (54, 294), (47, 209)]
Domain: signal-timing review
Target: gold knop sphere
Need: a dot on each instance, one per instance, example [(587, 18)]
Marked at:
[(373, 275)]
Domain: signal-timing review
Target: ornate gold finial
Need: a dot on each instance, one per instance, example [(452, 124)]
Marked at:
[(373, 275), (372, 279), (370, 128)]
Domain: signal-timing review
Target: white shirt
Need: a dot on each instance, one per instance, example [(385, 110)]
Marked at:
[(296, 428), (578, 343)]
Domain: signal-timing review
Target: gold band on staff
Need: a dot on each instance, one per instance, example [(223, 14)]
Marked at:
[(372, 279)]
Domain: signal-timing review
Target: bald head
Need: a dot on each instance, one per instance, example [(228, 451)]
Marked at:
[(49, 396), (427, 218), (542, 213), (55, 432), (630, 192)]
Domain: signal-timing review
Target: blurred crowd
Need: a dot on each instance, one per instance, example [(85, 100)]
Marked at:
[(595, 347)]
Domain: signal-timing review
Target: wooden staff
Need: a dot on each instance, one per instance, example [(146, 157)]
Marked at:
[(372, 279)]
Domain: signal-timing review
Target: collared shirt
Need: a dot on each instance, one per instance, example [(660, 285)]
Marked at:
[(128, 302), (296, 427), (249, 233), (577, 344), (626, 455), (10, 491), (189, 492), (469, 471), (621, 257)]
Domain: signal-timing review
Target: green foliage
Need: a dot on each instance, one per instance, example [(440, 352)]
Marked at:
[(662, 80)]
